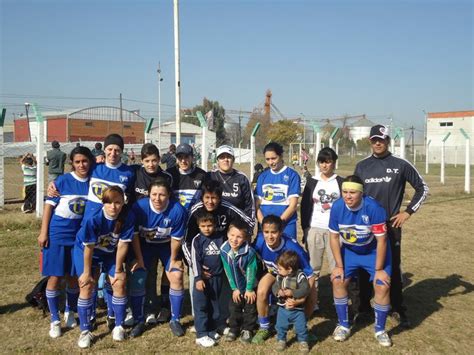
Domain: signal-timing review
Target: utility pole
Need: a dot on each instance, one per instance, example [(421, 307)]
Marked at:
[(121, 115), (240, 125), (177, 71), (160, 79), (413, 142)]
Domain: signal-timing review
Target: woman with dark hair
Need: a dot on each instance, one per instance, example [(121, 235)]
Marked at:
[(103, 239), (278, 189), (161, 222), (62, 217)]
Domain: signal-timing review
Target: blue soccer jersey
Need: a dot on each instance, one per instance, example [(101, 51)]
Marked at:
[(97, 229), (68, 208), (274, 190), (358, 227), (270, 256), (103, 176), (159, 227)]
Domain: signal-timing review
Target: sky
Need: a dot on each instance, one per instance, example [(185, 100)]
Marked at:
[(321, 59)]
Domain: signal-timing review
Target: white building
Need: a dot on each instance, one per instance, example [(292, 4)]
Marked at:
[(190, 134), (360, 129), (439, 124)]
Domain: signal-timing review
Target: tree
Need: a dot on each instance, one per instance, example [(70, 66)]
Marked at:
[(363, 146), (262, 136), (219, 118), (284, 132), (189, 116)]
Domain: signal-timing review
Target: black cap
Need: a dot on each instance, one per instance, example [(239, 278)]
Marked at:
[(379, 131), (55, 144), (114, 138), (185, 149)]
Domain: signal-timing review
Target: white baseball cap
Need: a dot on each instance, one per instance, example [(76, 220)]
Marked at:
[(225, 149)]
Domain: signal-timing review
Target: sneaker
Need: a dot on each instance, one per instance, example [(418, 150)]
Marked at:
[(226, 331), (214, 335), (383, 338), (137, 330), (110, 322), (176, 328), (192, 329), (245, 336), (304, 347), (402, 319), (128, 322), (341, 333), (85, 339), (281, 345), (164, 316), (118, 334), (70, 320), (230, 337), (261, 336), (205, 342), (150, 319), (55, 329)]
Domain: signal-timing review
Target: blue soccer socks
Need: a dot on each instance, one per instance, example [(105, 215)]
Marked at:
[(52, 296), (120, 309), (381, 312), (176, 301), (84, 309), (342, 310)]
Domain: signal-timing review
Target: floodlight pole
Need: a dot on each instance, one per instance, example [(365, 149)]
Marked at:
[(160, 79), (443, 144), (203, 124), (467, 163), (39, 161), (252, 150), (2, 163), (176, 71), (317, 148)]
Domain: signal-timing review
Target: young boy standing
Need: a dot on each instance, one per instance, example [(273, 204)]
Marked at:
[(240, 265), (291, 287), (207, 270)]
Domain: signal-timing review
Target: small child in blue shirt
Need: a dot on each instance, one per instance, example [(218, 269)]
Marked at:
[(207, 270), (291, 287)]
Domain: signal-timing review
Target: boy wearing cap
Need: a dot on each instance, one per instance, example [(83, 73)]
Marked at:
[(385, 177), (236, 187), (55, 160), (187, 178)]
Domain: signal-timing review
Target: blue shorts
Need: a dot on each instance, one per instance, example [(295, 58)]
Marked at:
[(58, 260), (102, 262), (161, 251), (353, 262)]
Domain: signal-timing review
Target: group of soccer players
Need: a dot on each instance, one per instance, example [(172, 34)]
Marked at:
[(120, 220)]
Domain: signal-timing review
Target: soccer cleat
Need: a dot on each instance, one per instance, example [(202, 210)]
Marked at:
[(150, 319), (226, 330), (383, 338), (341, 333), (70, 320), (137, 330), (164, 315), (128, 322), (110, 323), (230, 337), (281, 345), (176, 328), (118, 334), (304, 347), (245, 336), (55, 329), (205, 342), (85, 339), (261, 336)]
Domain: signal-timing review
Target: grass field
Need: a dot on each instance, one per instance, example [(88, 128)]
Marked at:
[(437, 262)]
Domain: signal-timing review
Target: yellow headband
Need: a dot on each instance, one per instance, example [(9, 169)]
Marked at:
[(352, 186)]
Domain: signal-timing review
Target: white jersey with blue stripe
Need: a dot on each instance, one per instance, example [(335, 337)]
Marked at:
[(103, 176), (160, 226), (97, 229), (270, 256), (274, 189), (358, 227), (68, 208)]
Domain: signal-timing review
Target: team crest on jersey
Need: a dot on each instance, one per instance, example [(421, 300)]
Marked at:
[(274, 193), (77, 205), (123, 178), (197, 183), (98, 189), (167, 222), (107, 241), (286, 178), (149, 235), (349, 236), (365, 219)]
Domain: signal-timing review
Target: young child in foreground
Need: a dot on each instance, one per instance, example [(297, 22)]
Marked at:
[(240, 265), (291, 288), (207, 270)]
